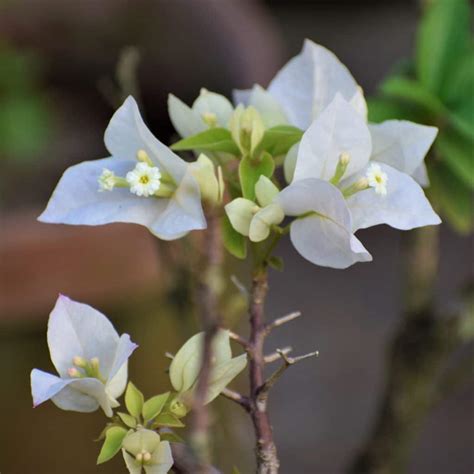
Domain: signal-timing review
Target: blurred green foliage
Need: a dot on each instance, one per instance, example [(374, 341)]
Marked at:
[(436, 87), (25, 120)]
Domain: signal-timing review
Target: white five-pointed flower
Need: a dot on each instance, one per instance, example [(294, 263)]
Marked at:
[(90, 357), (144, 179), (143, 449), (377, 179), (173, 213)]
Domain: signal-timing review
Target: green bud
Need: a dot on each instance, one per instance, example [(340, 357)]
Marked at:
[(178, 408), (341, 167), (240, 212), (263, 220), (247, 128), (210, 183)]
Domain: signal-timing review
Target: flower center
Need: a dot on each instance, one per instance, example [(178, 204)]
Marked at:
[(377, 179), (85, 368)]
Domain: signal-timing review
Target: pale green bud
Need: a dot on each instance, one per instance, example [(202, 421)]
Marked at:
[(240, 212), (341, 167), (263, 220), (140, 442), (210, 183), (265, 191), (247, 128), (360, 185)]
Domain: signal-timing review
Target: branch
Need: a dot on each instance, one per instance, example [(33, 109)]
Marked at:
[(239, 339), (269, 358), (272, 380), (280, 321), (237, 397), (184, 462)]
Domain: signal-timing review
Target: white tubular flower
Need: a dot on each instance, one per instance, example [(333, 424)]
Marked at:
[(208, 110), (144, 179), (143, 449), (186, 365), (107, 180), (171, 213), (377, 179), (90, 357)]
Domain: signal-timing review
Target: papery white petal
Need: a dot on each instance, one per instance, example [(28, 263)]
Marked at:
[(183, 212), (241, 96), (77, 200), (127, 134), (270, 110), (84, 395), (141, 440), (404, 207), (210, 102), (161, 459), (308, 83), (420, 175), (77, 329), (263, 220), (326, 238), (339, 129), (401, 144), (117, 377), (185, 120), (45, 386)]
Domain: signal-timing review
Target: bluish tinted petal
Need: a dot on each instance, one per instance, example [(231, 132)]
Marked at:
[(183, 212), (127, 133), (117, 376), (420, 175), (241, 96), (401, 144), (339, 129), (325, 237), (77, 329), (404, 207), (78, 201), (44, 386), (84, 395), (185, 120), (308, 83)]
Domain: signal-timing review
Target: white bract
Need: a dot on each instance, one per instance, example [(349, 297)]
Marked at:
[(310, 81), (208, 110), (337, 189), (186, 365), (143, 182), (90, 357), (143, 449)]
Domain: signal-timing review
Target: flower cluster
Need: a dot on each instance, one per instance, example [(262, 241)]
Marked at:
[(92, 363)]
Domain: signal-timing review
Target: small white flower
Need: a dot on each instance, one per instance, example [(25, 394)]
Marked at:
[(377, 179), (106, 180), (144, 179)]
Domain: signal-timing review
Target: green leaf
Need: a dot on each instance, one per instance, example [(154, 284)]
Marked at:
[(134, 400), (278, 140), (235, 243), (451, 196), (129, 420), (112, 444), (383, 108), (413, 92), (153, 406), (443, 37), (276, 263), (461, 84), (250, 171), (457, 153), (168, 420), (214, 139), (171, 437)]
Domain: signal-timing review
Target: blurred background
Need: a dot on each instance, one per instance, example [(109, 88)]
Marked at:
[(59, 85)]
